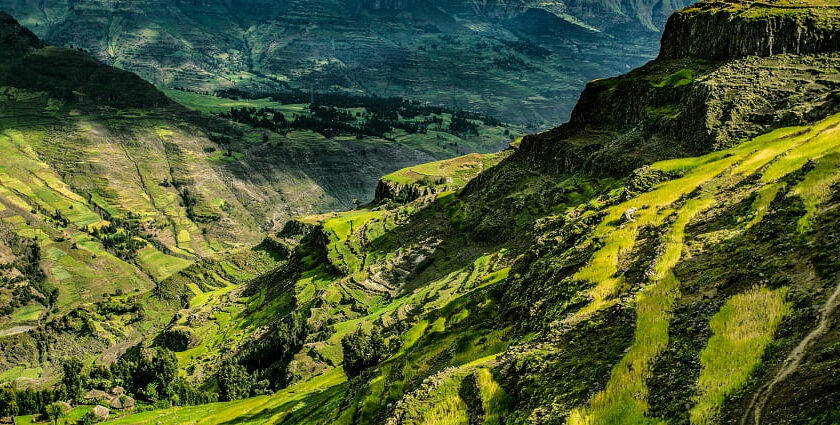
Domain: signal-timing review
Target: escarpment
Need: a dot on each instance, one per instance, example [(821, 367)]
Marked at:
[(751, 29), (726, 73)]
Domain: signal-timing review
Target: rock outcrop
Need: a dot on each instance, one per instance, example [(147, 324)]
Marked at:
[(401, 193), (752, 29)]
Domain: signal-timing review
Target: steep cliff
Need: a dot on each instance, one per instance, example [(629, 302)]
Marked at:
[(752, 29)]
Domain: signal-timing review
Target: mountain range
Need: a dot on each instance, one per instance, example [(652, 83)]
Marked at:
[(518, 60)]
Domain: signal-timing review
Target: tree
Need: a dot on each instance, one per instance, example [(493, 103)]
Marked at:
[(73, 379), (55, 412), (151, 391), (165, 367), (8, 401), (362, 351), (89, 418), (234, 381)]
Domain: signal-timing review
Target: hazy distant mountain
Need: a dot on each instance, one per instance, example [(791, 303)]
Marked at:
[(520, 60)]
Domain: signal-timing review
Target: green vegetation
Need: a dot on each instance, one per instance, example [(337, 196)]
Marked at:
[(513, 66), (742, 329), (623, 401), (680, 78), (574, 278), (436, 177)]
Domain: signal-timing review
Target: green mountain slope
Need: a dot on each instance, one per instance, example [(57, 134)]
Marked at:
[(109, 187), (668, 256), (673, 261), (510, 59)]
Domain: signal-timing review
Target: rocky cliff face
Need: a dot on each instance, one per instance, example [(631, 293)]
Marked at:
[(757, 29), (389, 190)]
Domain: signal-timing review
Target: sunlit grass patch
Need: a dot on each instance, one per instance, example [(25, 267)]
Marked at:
[(159, 264), (495, 401), (305, 396), (742, 329), (816, 188), (822, 138), (624, 401), (680, 78), (761, 205)]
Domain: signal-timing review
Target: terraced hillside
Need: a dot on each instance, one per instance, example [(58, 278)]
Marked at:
[(108, 188), (647, 278), (668, 256), (511, 59)]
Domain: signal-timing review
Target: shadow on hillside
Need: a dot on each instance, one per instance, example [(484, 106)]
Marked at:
[(316, 405)]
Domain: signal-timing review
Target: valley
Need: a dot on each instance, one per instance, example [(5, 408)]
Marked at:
[(289, 256), (521, 61)]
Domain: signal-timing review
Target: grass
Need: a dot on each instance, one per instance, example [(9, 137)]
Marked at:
[(446, 175), (70, 418), (214, 104), (785, 150), (20, 371), (816, 188), (761, 205), (624, 399), (772, 156), (742, 329), (820, 139), (27, 314), (494, 400), (680, 78), (313, 393), (160, 265), (446, 406)]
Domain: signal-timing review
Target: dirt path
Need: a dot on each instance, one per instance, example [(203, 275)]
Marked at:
[(792, 361)]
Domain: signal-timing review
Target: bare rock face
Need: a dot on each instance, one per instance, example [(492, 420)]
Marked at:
[(401, 193), (629, 215)]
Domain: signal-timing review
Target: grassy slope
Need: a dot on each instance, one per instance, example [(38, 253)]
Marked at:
[(457, 334), (446, 175), (70, 168)]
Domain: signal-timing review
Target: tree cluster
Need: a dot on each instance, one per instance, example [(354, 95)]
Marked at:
[(27, 261), (147, 374), (330, 115), (362, 350), (123, 242), (260, 364)]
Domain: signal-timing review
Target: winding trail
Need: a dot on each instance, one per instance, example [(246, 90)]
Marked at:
[(793, 360)]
